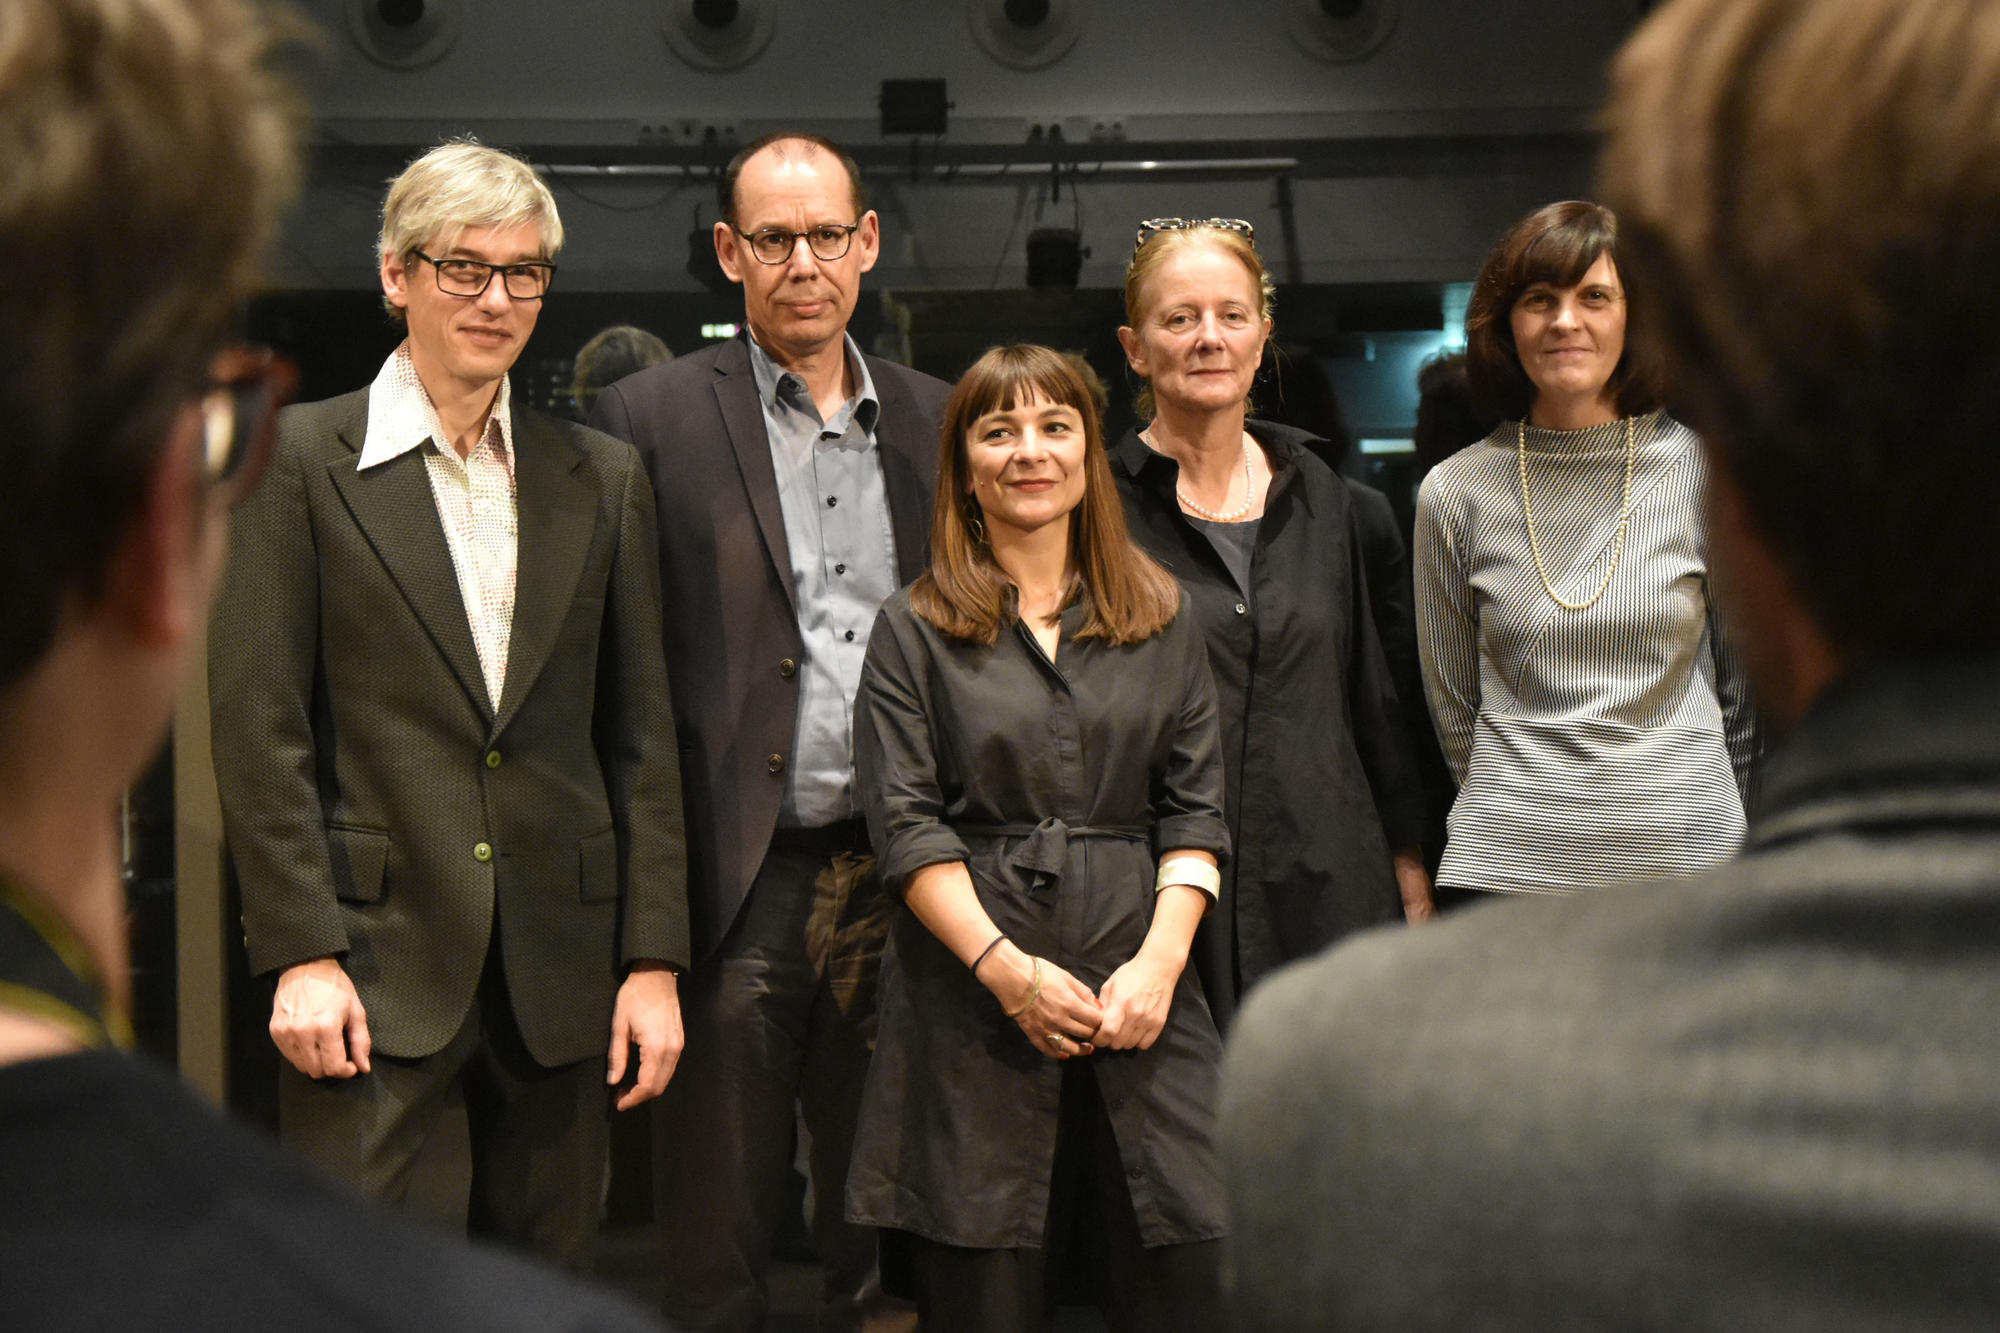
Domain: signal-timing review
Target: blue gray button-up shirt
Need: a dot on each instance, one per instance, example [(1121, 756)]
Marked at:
[(843, 566)]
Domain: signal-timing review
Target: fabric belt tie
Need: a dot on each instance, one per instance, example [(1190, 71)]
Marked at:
[(1044, 847)]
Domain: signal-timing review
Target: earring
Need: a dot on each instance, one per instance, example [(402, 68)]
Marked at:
[(975, 525)]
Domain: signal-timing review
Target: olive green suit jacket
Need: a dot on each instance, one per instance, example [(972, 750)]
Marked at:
[(379, 807)]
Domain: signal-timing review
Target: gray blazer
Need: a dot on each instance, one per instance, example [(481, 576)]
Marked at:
[(379, 807), (732, 627), (1766, 1098)]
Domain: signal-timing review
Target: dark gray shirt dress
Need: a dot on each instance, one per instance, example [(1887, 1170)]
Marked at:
[(1058, 784)]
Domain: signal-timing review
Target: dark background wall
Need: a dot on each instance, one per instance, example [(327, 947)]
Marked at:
[(1378, 146)]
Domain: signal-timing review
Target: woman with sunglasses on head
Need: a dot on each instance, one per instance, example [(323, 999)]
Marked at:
[(1035, 737), (1321, 786), (1596, 725)]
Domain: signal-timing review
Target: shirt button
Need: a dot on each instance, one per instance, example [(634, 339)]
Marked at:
[(840, 569), (775, 762), (850, 636), (482, 851), (832, 500), (493, 759), (1242, 610), (1136, 1174), (788, 668)]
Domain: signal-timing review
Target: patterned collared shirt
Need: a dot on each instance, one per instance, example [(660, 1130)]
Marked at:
[(475, 500), (843, 553)]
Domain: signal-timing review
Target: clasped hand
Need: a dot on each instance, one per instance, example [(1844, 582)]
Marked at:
[(1063, 1019)]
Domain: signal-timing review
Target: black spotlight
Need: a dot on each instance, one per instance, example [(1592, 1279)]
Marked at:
[(1026, 34), (914, 106), (1341, 32), (702, 264), (717, 35), (404, 34), (1055, 258)]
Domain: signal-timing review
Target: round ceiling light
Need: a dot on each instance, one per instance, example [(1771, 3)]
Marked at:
[(1025, 34)]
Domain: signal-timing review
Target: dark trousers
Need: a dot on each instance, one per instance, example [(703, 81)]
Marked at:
[(540, 1137), (1091, 1246), (780, 1021)]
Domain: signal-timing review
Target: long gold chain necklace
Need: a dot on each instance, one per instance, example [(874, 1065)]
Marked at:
[(1624, 518)]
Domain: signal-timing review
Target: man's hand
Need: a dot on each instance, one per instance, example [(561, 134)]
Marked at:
[(648, 1015), (1414, 883), (318, 1022)]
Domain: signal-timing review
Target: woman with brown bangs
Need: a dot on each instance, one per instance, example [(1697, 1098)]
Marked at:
[(1580, 687), (1035, 736)]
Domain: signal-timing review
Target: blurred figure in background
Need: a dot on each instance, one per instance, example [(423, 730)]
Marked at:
[(609, 356), (1100, 394), (1448, 416), (1767, 1097), (1448, 419)]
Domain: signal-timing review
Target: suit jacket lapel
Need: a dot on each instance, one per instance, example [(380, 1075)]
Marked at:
[(393, 506), (743, 418), (901, 439), (557, 513)]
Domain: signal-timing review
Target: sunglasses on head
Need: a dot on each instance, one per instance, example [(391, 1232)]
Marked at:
[(1152, 227)]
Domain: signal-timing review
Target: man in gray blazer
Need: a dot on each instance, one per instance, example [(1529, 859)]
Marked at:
[(1768, 1098), (443, 743), (794, 475)]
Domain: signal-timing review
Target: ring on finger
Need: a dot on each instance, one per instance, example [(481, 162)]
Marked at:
[(1057, 1039)]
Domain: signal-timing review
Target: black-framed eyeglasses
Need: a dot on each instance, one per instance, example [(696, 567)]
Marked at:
[(774, 245), (239, 409), (471, 277), (1151, 227)]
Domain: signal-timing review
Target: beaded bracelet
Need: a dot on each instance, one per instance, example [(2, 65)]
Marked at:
[(1033, 995), (987, 950)]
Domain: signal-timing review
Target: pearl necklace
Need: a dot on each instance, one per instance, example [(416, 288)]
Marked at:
[(1233, 516), (1534, 543)]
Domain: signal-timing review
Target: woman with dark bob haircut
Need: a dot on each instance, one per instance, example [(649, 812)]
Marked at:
[(1581, 691), (1036, 741)]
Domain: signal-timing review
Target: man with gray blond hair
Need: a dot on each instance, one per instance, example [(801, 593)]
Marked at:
[(1769, 1097), (443, 743)]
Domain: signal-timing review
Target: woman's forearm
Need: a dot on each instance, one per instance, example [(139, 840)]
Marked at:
[(1177, 911), (943, 898)]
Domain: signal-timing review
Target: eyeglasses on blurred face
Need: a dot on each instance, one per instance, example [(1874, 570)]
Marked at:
[(246, 388)]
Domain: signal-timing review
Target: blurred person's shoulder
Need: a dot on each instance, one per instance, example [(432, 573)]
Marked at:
[(125, 1202), (1609, 1110)]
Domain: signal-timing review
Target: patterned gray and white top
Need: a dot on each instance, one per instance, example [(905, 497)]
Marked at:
[(1590, 746)]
